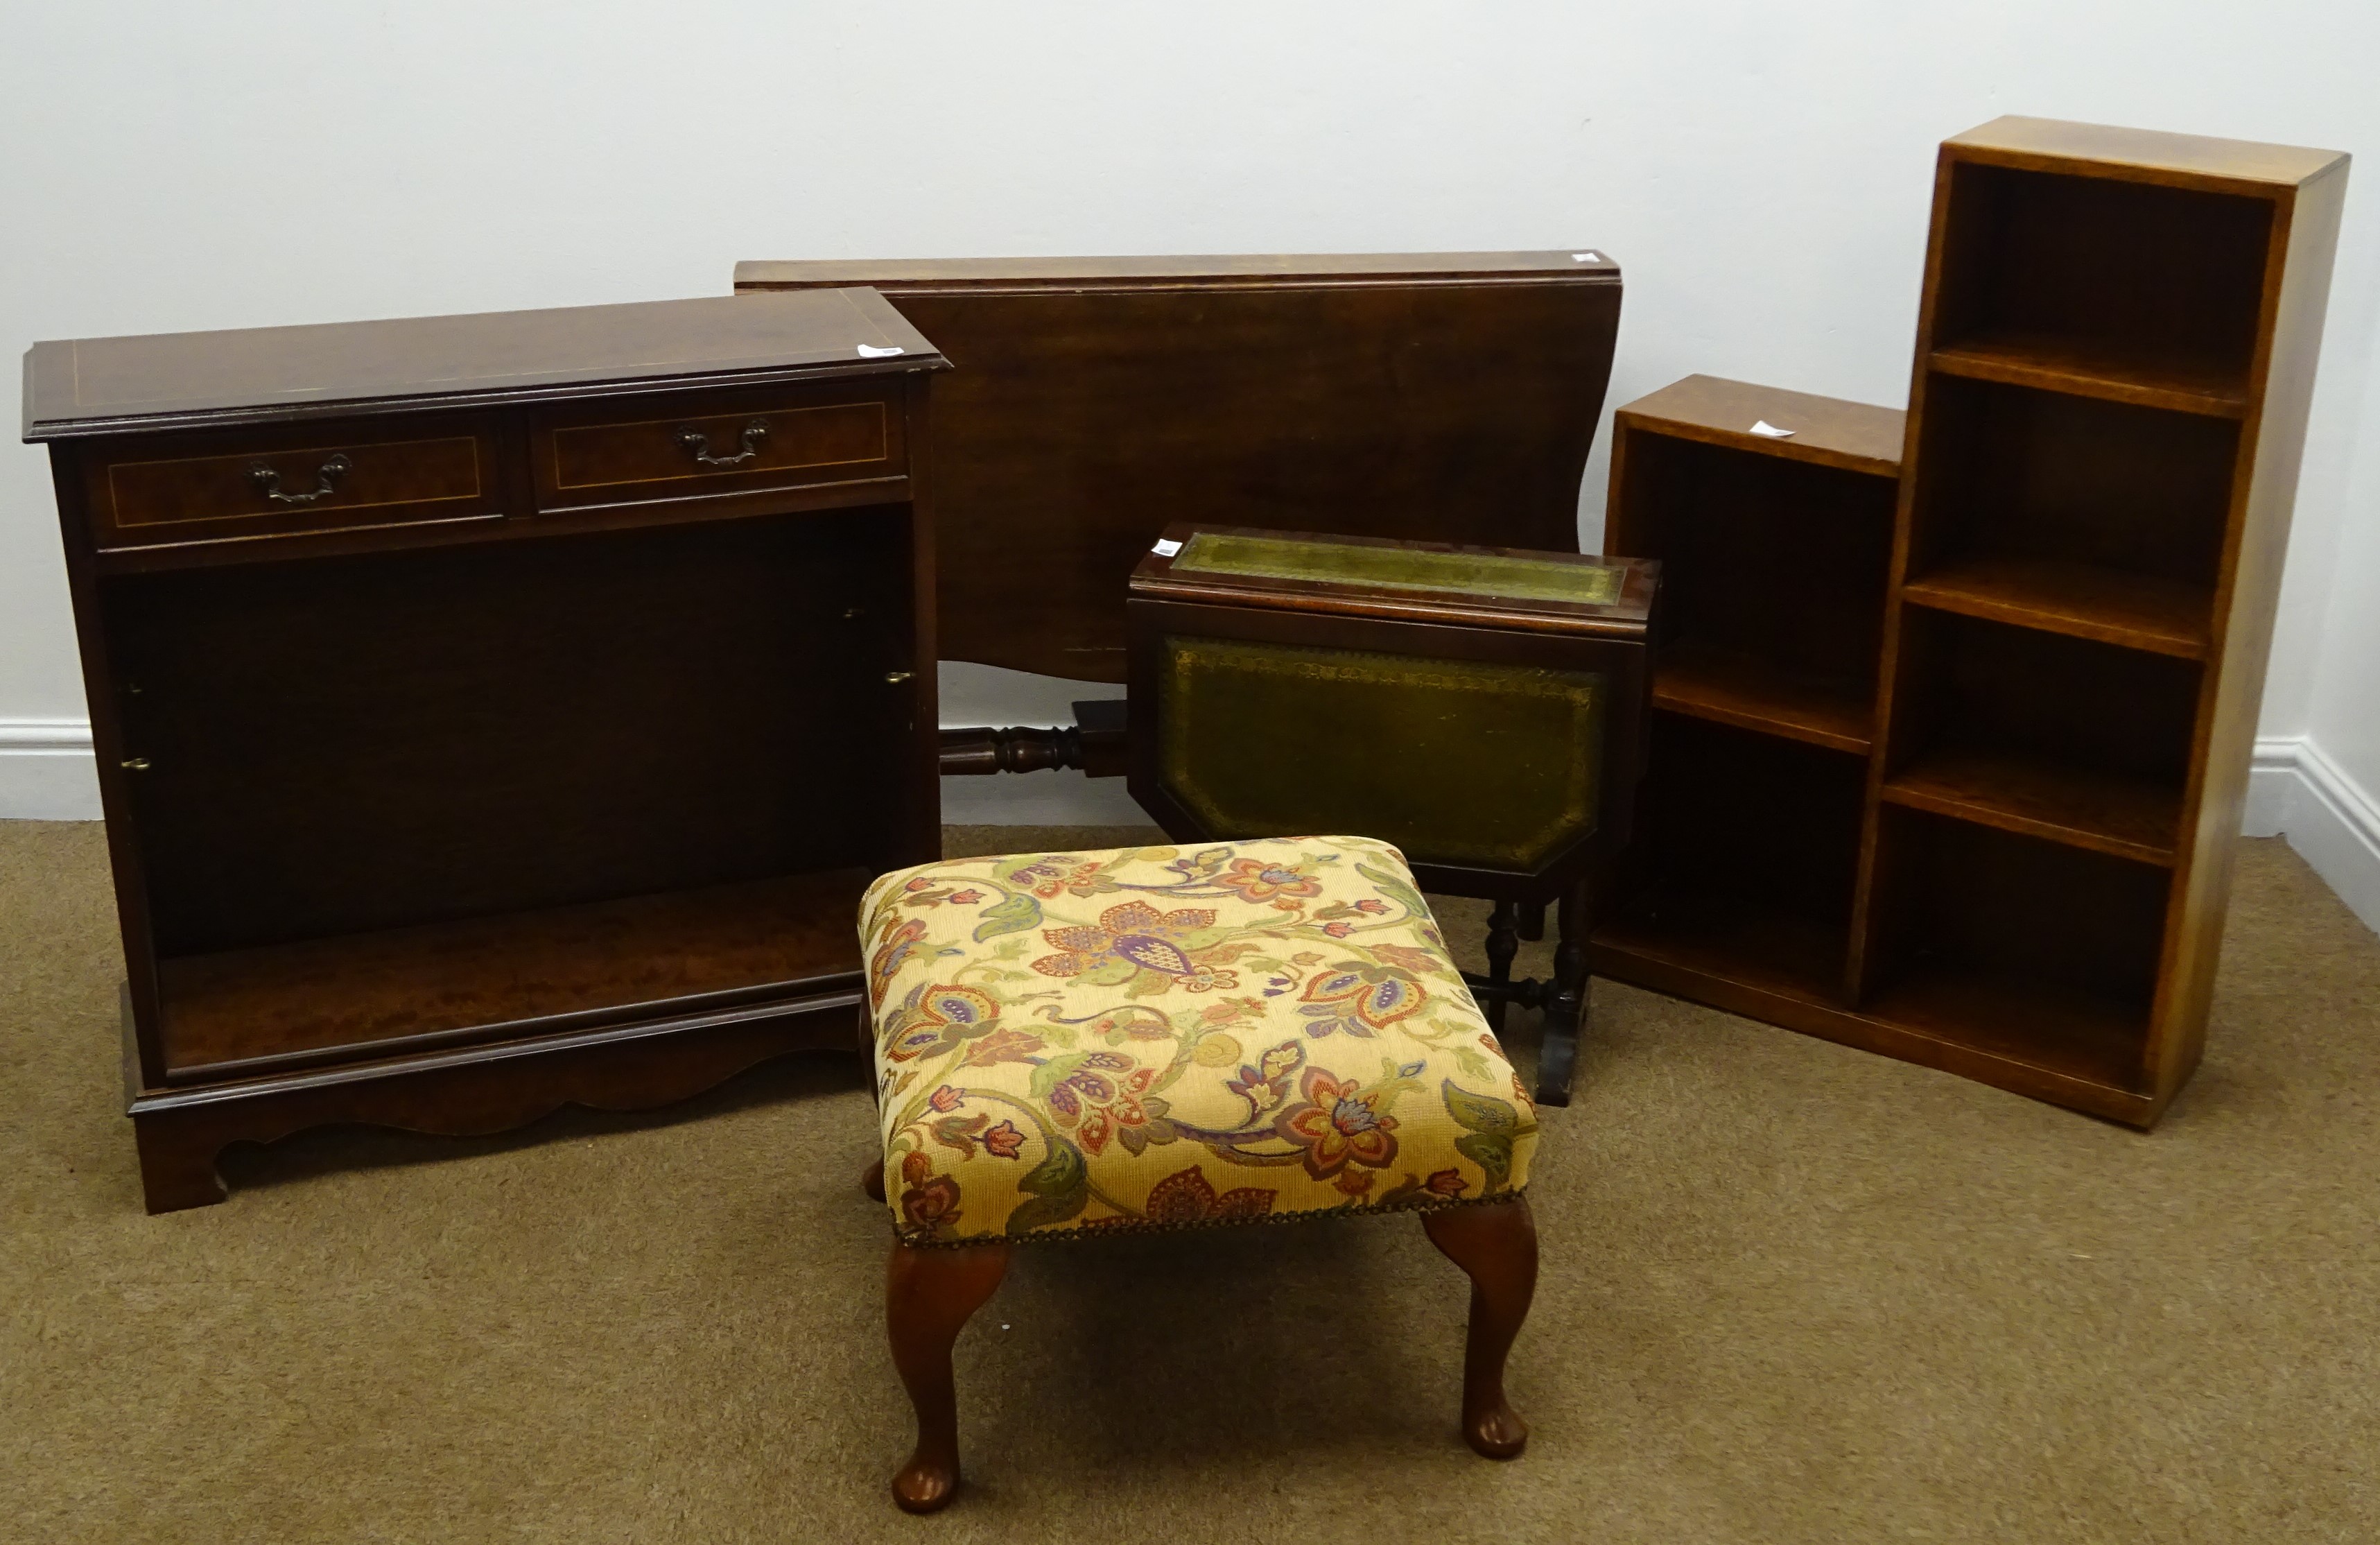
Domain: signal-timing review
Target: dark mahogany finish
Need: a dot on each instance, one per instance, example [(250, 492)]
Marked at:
[(1610, 639), (1956, 772), (495, 712), (1433, 396)]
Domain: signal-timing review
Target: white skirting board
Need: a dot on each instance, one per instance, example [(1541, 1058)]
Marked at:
[(1040, 799), (2296, 792), (46, 773)]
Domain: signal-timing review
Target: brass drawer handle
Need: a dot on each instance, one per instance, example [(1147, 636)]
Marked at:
[(327, 478), (694, 440), (897, 677)]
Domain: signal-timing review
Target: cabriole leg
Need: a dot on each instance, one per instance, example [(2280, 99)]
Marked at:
[(929, 1296), (1496, 1245)]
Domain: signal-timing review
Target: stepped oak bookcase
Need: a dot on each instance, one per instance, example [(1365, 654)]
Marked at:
[(1954, 713)]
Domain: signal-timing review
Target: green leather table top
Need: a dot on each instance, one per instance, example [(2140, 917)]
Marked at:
[(1498, 575)]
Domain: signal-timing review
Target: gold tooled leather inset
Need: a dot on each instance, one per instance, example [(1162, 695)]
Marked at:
[(1501, 575), (1455, 762)]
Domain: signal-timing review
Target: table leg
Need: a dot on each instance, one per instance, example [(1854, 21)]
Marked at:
[(1566, 1006), (1503, 944)]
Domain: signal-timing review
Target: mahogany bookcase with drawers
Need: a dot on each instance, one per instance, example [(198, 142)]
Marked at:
[(1954, 715), (496, 712)]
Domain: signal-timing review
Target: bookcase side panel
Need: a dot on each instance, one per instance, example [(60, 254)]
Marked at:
[(2305, 244)]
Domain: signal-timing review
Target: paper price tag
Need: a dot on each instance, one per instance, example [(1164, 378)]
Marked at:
[(867, 353), (1166, 549), (1767, 430)]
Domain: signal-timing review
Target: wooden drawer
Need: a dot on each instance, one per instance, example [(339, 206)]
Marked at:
[(163, 491), (729, 444)]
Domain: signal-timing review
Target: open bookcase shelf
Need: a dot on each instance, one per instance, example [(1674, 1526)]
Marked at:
[(1950, 804), (2179, 386), (2107, 812), (1737, 687), (406, 990), (1747, 845), (2084, 601), (1773, 552)]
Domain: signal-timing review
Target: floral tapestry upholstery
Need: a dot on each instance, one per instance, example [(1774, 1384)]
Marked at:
[(1164, 1036)]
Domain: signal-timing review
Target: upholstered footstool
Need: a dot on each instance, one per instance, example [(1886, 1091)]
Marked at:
[(1171, 1038)]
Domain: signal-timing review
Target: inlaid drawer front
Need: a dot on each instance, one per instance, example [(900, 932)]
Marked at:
[(309, 488), (703, 450)]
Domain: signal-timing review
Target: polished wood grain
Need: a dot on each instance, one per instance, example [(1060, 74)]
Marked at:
[(1739, 688), (638, 451), (443, 822), (2018, 874), (1916, 1022), (1774, 552), (680, 952), (2115, 606), (2114, 355), (2149, 155), (1497, 1248), (1448, 397), (929, 1294), (2052, 364), (2107, 812), (340, 484), (1774, 555), (273, 374), (1851, 436), (2295, 295), (473, 1090)]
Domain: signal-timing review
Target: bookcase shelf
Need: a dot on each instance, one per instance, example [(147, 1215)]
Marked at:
[(2086, 278), (2074, 1038), (246, 1011), (1741, 689), (2115, 352), (2082, 600), (2108, 812), (1748, 844), (2036, 951), (2181, 386), (1774, 549)]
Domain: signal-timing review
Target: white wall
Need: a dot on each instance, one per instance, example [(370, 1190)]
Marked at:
[(1761, 171)]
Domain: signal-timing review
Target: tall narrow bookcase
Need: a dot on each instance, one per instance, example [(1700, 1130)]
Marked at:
[(2114, 356)]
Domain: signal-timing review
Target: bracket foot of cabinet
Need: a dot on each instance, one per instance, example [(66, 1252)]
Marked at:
[(477, 1091)]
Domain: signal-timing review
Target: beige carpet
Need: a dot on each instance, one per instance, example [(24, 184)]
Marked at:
[(1791, 1293)]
